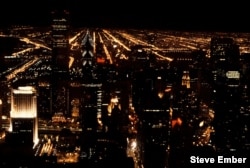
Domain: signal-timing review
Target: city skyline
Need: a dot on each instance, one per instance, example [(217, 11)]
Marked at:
[(123, 95)]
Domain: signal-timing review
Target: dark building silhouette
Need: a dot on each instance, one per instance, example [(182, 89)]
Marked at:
[(92, 88), (60, 61), (151, 99), (1, 113), (60, 40), (226, 94)]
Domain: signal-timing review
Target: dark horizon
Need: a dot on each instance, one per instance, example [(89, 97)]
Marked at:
[(157, 15)]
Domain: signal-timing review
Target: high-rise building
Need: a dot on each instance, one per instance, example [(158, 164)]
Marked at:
[(1, 113), (92, 89), (224, 53), (88, 50), (226, 94), (88, 58), (186, 79), (23, 114), (60, 40), (151, 99), (60, 61), (92, 108), (245, 103), (244, 118)]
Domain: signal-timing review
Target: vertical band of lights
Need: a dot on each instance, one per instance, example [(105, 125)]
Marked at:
[(24, 106), (99, 106)]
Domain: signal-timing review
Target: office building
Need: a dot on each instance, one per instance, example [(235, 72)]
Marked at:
[(60, 61), (1, 113), (226, 94), (60, 40), (151, 99), (23, 114)]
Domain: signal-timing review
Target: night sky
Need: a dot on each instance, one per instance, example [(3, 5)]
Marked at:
[(175, 14)]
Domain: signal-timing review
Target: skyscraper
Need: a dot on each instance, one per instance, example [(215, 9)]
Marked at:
[(227, 93), (151, 99), (1, 113), (23, 115), (60, 61), (60, 40)]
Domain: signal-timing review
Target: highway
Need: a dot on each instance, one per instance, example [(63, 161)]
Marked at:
[(20, 69)]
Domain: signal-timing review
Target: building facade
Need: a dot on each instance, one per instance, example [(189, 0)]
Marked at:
[(23, 115), (226, 94), (60, 61)]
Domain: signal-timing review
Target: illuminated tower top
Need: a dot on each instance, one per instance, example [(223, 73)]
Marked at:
[(87, 47), (23, 102), (23, 114), (186, 79)]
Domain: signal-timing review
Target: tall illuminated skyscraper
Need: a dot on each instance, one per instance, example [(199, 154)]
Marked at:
[(23, 114), (60, 61)]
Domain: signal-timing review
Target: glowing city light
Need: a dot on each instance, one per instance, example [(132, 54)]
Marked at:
[(201, 124), (114, 100), (133, 145), (160, 95), (24, 106)]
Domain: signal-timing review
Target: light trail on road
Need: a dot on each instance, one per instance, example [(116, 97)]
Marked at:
[(116, 40), (28, 41), (94, 41), (138, 41), (71, 61), (72, 39), (105, 50), (21, 69), (135, 40)]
